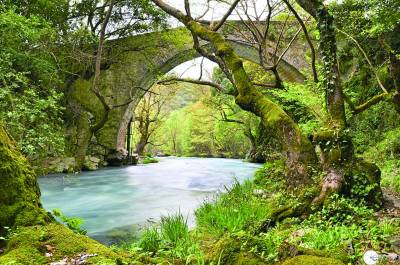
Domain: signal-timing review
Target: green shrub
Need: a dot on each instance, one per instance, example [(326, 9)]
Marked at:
[(340, 210), (149, 160)]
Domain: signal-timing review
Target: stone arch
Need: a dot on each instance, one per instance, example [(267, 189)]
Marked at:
[(134, 65)]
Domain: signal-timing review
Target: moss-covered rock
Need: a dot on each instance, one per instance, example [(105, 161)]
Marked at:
[(19, 190), (29, 245), (312, 260), (228, 250)]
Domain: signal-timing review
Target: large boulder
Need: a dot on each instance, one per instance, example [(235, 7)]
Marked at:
[(91, 163), (61, 165), (117, 157)]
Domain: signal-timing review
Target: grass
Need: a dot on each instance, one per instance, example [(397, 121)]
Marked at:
[(391, 175), (150, 240), (386, 154), (232, 211), (174, 228)]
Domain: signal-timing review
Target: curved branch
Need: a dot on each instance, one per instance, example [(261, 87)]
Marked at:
[(366, 105), (192, 81), (225, 17), (366, 58)]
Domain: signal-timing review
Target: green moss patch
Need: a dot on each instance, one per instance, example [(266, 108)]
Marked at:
[(29, 245), (312, 260)]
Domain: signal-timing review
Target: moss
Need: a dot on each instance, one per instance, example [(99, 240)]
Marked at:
[(228, 250), (363, 182), (28, 245), (19, 190), (312, 260), (149, 160)]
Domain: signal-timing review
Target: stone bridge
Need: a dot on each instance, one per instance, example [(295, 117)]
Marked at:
[(133, 65)]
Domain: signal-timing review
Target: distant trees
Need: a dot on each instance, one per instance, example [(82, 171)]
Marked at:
[(150, 114), (188, 121)]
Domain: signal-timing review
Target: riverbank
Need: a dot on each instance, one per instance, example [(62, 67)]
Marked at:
[(233, 229), (67, 165)]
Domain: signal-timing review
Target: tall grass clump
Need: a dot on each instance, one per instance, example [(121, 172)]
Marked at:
[(232, 211), (150, 240), (174, 228)]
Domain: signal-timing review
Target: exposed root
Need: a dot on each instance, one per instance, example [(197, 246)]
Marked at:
[(332, 183)]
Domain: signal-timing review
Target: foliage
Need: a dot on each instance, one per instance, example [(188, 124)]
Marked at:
[(127, 18), (30, 92), (191, 126), (170, 240), (339, 210), (174, 228), (150, 240), (73, 223)]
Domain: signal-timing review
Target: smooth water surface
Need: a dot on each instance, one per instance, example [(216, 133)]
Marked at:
[(112, 201)]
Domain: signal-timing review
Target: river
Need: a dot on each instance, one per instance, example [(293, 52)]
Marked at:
[(115, 202)]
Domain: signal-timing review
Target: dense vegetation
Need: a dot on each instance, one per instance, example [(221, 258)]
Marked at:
[(327, 127), (192, 121)]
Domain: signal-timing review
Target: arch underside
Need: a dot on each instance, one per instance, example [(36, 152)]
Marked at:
[(286, 70)]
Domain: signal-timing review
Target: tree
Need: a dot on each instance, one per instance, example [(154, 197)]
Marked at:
[(149, 115), (343, 172), (101, 21), (31, 92), (20, 195)]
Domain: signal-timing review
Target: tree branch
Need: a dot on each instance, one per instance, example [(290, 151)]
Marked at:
[(225, 17), (366, 105), (303, 26), (96, 77), (366, 58), (197, 82)]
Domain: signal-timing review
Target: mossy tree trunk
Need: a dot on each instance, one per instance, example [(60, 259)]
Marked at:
[(19, 191), (344, 172)]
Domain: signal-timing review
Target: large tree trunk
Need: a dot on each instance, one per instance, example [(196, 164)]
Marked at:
[(345, 173), (19, 191)]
